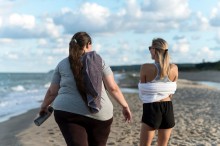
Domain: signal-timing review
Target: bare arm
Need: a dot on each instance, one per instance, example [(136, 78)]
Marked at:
[(173, 73), (147, 73), (49, 97), (116, 93), (177, 73), (142, 75)]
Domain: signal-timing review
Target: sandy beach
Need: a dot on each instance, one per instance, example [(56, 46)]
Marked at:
[(197, 118)]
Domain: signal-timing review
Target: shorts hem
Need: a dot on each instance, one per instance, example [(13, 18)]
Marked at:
[(167, 127), (154, 127), (150, 125)]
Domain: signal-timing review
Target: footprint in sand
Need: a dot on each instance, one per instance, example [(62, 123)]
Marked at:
[(51, 131), (111, 143)]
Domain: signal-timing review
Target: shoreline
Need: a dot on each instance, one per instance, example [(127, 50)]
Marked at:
[(210, 75), (193, 118), (11, 127)]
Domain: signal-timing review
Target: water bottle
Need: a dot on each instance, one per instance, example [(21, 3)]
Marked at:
[(40, 119)]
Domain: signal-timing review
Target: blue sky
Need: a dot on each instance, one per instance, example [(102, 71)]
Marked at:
[(34, 35)]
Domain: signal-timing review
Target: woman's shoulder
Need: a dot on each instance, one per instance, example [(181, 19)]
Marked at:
[(148, 69), (147, 66), (173, 67), (63, 62), (173, 74)]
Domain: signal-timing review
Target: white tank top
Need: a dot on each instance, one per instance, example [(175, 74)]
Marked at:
[(157, 78)]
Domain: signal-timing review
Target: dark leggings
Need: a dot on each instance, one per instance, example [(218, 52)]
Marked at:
[(79, 130)]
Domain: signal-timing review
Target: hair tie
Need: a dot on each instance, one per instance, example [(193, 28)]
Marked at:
[(165, 52), (75, 40)]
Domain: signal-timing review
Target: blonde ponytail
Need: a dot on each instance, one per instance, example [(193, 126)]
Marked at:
[(161, 49)]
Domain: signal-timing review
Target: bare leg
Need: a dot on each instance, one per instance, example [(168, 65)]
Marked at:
[(163, 136), (146, 135)]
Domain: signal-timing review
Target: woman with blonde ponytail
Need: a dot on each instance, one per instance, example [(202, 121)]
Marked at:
[(82, 108), (156, 87)]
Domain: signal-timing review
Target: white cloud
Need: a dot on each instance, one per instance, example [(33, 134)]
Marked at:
[(125, 58), (65, 10), (149, 16), (22, 20), (97, 47), (181, 46), (6, 6), (196, 22), (42, 42), (61, 42), (0, 22), (217, 37), (215, 16), (24, 26), (121, 12), (6, 41), (125, 46), (132, 17), (50, 60), (60, 51), (214, 13), (39, 52), (205, 53), (89, 17), (11, 56), (133, 9), (169, 10), (51, 28), (95, 13), (202, 21)]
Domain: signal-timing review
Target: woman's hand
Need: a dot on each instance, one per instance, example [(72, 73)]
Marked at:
[(43, 111), (127, 114)]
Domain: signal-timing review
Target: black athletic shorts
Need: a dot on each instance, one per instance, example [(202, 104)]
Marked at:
[(158, 115)]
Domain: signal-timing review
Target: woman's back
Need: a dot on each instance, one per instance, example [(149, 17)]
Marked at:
[(69, 98), (149, 72)]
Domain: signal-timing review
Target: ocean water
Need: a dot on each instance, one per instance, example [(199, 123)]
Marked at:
[(20, 92), (216, 85)]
